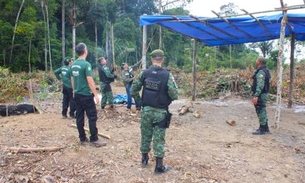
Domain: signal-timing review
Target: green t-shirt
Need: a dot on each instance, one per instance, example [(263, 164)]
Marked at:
[(64, 73), (80, 69)]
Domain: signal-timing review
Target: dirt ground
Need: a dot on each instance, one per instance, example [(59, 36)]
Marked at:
[(204, 149)]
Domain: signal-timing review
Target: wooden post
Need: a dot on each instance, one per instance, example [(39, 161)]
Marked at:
[(290, 95), (112, 46), (194, 70), (63, 31), (144, 47), (280, 71)]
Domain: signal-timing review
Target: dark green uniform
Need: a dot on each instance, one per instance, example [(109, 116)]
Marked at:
[(151, 116), (106, 77), (260, 89), (81, 69), (64, 73)]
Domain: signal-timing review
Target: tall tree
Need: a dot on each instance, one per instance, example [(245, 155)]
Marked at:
[(63, 29), (14, 34)]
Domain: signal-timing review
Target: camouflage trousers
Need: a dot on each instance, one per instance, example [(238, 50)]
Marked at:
[(107, 95), (152, 132), (260, 109)]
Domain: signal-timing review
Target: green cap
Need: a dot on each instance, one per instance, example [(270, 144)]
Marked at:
[(157, 53), (67, 60), (262, 59)]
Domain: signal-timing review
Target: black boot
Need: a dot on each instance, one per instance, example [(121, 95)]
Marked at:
[(145, 159), (260, 131), (160, 168), (267, 128)]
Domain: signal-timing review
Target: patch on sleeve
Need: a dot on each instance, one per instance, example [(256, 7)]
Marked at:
[(175, 84), (89, 68)]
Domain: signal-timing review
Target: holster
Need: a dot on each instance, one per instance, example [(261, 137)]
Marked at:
[(166, 121)]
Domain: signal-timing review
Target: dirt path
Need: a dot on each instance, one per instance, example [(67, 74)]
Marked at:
[(197, 150)]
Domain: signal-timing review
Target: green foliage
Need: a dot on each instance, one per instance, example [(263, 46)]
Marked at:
[(124, 16)]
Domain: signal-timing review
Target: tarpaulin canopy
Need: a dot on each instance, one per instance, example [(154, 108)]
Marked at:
[(226, 31)]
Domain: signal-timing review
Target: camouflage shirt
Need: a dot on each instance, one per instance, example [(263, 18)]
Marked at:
[(137, 86), (260, 82)]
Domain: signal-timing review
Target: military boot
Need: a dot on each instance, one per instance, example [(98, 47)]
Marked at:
[(267, 128), (260, 131), (145, 159), (160, 168)]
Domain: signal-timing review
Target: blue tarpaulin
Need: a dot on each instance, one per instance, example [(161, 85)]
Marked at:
[(218, 31)]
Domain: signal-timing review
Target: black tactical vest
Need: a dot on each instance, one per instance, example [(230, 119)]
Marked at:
[(103, 77), (267, 80), (154, 93)]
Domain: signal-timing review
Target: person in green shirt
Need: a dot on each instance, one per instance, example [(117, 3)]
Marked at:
[(63, 73), (260, 89), (158, 91), (106, 77), (85, 94), (128, 76)]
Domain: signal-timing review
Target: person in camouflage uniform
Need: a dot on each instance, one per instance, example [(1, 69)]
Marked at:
[(128, 76), (106, 77), (63, 73), (159, 90), (260, 89)]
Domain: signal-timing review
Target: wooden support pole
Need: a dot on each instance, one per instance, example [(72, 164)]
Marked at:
[(194, 69), (290, 95), (144, 47), (280, 70)]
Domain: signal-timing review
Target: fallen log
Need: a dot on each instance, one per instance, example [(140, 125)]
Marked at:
[(185, 108), (99, 133), (33, 149)]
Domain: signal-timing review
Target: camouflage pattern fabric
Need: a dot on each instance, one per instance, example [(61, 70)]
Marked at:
[(107, 95), (260, 108), (151, 132), (150, 116)]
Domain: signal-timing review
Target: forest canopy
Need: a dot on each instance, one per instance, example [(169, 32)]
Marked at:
[(37, 35)]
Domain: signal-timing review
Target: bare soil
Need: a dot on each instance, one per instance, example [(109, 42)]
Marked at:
[(204, 149)]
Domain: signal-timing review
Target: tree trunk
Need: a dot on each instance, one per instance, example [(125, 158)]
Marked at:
[(29, 58), (95, 32), (291, 71), (160, 28), (280, 71), (230, 49), (194, 70), (73, 30), (63, 30), (112, 46), (144, 47), (108, 44), (14, 33), (45, 37), (48, 32)]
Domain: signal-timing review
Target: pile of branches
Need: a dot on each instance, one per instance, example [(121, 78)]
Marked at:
[(15, 86), (226, 82)]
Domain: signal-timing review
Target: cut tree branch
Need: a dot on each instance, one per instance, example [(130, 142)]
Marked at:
[(99, 133)]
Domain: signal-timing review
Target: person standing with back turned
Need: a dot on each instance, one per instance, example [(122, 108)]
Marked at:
[(64, 73), (260, 89), (159, 90), (84, 94)]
